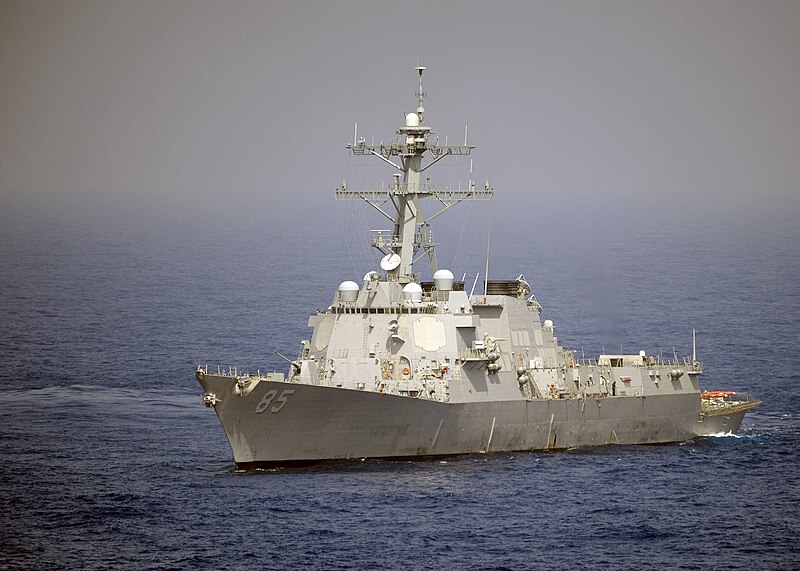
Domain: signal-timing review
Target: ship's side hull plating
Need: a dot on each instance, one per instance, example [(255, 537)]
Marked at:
[(721, 424), (280, 422)]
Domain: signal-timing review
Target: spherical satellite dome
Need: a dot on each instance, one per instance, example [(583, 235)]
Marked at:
[(412, 120), (443, 279), (412, 292), (348, 291)]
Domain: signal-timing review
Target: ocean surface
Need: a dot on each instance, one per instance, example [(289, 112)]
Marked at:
[(108, 458)]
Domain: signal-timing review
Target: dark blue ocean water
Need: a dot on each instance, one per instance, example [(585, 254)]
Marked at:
[(109, 459)]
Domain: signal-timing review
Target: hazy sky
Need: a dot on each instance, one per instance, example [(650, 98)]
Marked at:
[(247, 106)]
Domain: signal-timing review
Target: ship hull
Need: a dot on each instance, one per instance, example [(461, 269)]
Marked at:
[(283, 423), (721, 424)]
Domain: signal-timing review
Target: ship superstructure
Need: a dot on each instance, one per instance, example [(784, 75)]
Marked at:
[(400, 367)]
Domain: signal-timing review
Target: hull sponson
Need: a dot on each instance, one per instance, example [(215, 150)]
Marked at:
[(324, 423)]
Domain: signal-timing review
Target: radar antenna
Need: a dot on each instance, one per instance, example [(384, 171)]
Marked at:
[(411, 231), (421, 94)]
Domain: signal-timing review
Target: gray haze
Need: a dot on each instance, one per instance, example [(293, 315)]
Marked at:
[(247, 105)]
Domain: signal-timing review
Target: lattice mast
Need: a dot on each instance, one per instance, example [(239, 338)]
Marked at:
[(411, 232)]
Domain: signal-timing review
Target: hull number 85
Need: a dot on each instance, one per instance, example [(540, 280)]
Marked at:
[(277, 403)]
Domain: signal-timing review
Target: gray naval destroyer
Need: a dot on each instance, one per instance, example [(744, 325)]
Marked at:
[(398, 367)]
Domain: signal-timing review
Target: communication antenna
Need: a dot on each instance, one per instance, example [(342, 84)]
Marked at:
[(408, 219), (390, 262), (486, 275), (471, 183), (694, 347), (421, 94), (474, 284)]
